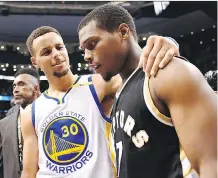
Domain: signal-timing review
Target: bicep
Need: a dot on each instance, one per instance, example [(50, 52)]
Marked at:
[(195, 123), (192, 106), (30, 154), (30, 150)]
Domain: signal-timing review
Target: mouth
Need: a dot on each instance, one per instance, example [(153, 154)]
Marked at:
[(58, 64), (95, 67), (18, 97)]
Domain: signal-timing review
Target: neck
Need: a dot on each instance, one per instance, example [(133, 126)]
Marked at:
[(61, 84), (132, 61)]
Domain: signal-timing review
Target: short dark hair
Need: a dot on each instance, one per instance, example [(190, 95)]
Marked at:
[(37, 33), (28, 71), (109, 17), (211, 77)]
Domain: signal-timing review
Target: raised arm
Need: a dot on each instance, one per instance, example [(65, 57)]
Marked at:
[(30, 150), (192, 105)]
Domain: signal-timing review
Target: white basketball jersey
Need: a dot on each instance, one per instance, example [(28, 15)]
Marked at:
[(72, 134)]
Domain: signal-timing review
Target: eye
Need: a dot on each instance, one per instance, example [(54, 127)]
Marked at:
[(91, 45), (59, 47), (46, 52), (21, 83)]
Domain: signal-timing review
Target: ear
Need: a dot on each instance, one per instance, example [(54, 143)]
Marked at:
[(37, 90), (33, 60), (123, 30)]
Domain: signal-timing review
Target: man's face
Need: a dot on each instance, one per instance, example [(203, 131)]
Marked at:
[(51, 55), (24, 89), (106, 52)]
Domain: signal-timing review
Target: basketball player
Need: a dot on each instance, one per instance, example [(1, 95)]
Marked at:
[(65, 129), (152, 117)]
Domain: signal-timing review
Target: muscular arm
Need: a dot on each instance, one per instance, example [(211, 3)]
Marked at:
[(192, 105), (30, 150)]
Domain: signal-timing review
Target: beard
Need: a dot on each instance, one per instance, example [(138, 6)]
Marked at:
[(18, 102), (23, 102), (61, 74)]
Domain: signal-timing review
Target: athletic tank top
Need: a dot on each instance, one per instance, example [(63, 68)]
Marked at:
[(145, 140), (72, 134)]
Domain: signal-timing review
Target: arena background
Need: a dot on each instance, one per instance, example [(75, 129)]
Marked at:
[(192, 24)]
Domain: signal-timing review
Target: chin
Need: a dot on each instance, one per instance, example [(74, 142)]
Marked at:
[(107, 77), (61, 73), (18, 102)]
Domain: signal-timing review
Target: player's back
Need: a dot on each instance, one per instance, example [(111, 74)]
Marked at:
[(72, 134), (146, 142)]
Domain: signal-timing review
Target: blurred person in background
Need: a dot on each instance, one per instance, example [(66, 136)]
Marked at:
[(25, 91), (211, 77), (14, 107)]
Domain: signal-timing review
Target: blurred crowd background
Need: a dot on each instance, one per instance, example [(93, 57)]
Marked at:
[(192, 24)]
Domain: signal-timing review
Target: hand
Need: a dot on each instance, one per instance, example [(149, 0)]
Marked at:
[(157, 53)]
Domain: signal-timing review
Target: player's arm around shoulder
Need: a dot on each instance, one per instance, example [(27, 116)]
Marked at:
[(103, 88), (192, 104), (30, 149)]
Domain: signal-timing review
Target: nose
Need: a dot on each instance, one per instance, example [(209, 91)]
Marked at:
[(56, 54), (88, 56), (16, 89)]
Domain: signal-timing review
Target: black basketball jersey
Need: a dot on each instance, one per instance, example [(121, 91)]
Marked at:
[(146, 142)]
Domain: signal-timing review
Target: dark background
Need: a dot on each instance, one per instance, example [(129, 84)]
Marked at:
[(192, 24)]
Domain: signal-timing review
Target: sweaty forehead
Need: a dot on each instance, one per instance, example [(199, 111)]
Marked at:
[(88, 31), (47, 40)]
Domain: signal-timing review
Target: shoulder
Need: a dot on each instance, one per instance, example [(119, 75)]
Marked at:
[(26, 118), (26, 111), (179, 70), (12, 110), (179, 77), (26, 114)]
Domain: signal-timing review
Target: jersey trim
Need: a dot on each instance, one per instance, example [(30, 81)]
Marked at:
[(186, 165), (95, 96), (152, 108), (70, 89), (111, 148), (60, 101), (124, 84), (77, 79), (49, 97), (33, 114), (183, 58)]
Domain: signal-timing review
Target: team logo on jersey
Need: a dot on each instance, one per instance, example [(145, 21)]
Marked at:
[(65, 140)]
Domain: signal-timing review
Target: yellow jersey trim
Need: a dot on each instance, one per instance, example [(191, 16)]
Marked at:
[(110, 148), (153, 109)]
